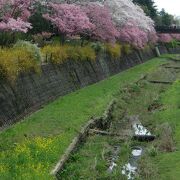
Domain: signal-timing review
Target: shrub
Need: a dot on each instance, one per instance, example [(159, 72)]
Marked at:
[(38, 39), (173, 44), (127, 49), (57, 54), (7, 39), (14, 61), (97, 46), (89, 53), (32, 50), (82, 53), (41, 38), (114, 50)]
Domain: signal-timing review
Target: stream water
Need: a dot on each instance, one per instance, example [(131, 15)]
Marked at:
[(115, 156), (130, 168)]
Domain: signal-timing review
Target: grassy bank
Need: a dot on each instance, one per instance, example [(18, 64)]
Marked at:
[(156, 105), (30, 149)]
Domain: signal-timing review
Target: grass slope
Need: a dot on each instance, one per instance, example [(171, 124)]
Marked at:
[(92, 159), (31, 148), (156, 105)]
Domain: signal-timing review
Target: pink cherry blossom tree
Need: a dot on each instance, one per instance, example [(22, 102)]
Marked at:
[(152, 36), (123, 11), (14, 15), (133, 35), (100, 16), (165, 38), (176, 36), (69, 19)]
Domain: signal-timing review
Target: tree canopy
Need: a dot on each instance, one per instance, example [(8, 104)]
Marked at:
[(161, 18), (149, 7)]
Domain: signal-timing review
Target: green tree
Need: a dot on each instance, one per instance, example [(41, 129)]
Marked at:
[(165, 19), (177, 20), (149, 8), (38, 22)]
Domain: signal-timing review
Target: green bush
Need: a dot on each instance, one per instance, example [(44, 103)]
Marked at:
[(97, 46), (174, 43), (7, 39)]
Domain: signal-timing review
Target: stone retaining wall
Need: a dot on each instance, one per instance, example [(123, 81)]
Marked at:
[(31, 91)]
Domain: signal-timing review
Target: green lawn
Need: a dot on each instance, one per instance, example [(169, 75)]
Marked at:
[(31, 148)]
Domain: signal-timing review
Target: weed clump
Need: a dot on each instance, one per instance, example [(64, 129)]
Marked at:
[(146, 169), (166, 143), (156, 105), (152, 151)]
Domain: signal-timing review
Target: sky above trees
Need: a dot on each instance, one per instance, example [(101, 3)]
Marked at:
[(171, 6)]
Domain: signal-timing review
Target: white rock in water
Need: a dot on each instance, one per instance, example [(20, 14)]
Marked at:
[(111, 167), (141, 130), (137, 152), (129, 171)]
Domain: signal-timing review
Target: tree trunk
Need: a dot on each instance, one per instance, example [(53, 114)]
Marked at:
[(62, 40)]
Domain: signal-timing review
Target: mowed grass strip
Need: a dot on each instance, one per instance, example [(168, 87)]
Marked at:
[(30, 149)]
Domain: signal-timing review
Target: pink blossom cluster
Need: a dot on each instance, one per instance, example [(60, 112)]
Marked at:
[(14, 15), (15, 25), (69, 19), (91, 20), (104, 28), (166, 38), (133, 35), (152, 36), (176, 36)]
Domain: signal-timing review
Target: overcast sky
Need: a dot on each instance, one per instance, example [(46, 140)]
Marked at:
[(171, 6)]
